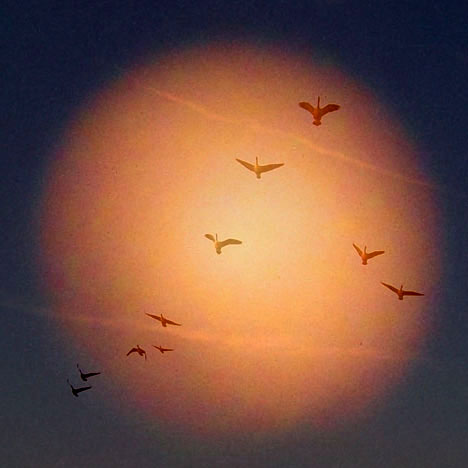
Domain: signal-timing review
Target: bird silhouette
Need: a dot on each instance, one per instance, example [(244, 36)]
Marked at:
[(220, 244), (163, 350), (84, 376), (367, 255), (164, 321), (318, 112), (257, 168), (75, 391), (138, 350), (401, 292)]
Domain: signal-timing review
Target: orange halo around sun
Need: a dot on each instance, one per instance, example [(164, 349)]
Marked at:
[(286, 328)]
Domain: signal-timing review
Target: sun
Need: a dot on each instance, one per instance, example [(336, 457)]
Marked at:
[(287, 327)]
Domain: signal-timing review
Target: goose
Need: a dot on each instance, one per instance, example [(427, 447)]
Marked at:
[(401, 292), (164, 321), (163, 350), (367, 255), (84, 377), (259, 170), (75, 391), (220, 244), (138, 350), (318, 112)]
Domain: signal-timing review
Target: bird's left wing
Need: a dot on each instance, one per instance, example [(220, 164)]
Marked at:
[(210, 236), (270, 167), (249, 166), (153, 316), (307, 106), (375, 253), (329, 108), (358, 250), (389, 286), (229, 242)]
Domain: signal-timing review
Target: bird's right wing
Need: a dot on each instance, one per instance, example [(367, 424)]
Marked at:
[(82, 389), (168, 349), (358, 250), (270, 167), (307, 106), (389, 286), (329, 108), (170, 322), (375, 253), (153, 316), (131, 351), (229, 242), (249, 166), (92, 374), (412, 293), (210, 236)]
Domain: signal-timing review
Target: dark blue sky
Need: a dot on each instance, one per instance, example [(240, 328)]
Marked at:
[(415, 57)]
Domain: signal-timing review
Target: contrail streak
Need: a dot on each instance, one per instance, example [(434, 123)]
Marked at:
[(287, 344), (255, 126)]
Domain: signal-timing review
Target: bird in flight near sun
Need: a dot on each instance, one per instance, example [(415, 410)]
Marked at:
[(163, 350), (84, 377), (75, 391), (401, 292), (318, 112), (257, 168), (367, 255), (164, 321), (220, 244), (138, 350)]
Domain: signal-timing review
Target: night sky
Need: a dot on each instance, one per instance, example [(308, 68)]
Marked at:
[(414, 57)]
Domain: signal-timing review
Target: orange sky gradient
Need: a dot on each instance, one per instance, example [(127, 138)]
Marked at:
[(271, 328)]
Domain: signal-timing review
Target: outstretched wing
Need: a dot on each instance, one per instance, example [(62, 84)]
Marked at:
[(229, 242), (92, 374), (329, 108), (165, 349), (133, 350), (412, 293), (375, 253), (270, 167), (307, 106), (153, 316), (170, 322), (210, 236), (82, 389), (389, 286), (358, 250), (249, 166)]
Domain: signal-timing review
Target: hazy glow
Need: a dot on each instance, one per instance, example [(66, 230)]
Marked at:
[(271, 328)]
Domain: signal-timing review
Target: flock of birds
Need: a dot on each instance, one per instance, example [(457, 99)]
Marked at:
[(317, 113)]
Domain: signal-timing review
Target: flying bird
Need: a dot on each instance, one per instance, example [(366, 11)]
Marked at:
[(258, 169), (84, 376), (163, 350), (138, 350), (367, 255), (75, 391), (220, 244), (401, 292), (318, 112), (164, 321)]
